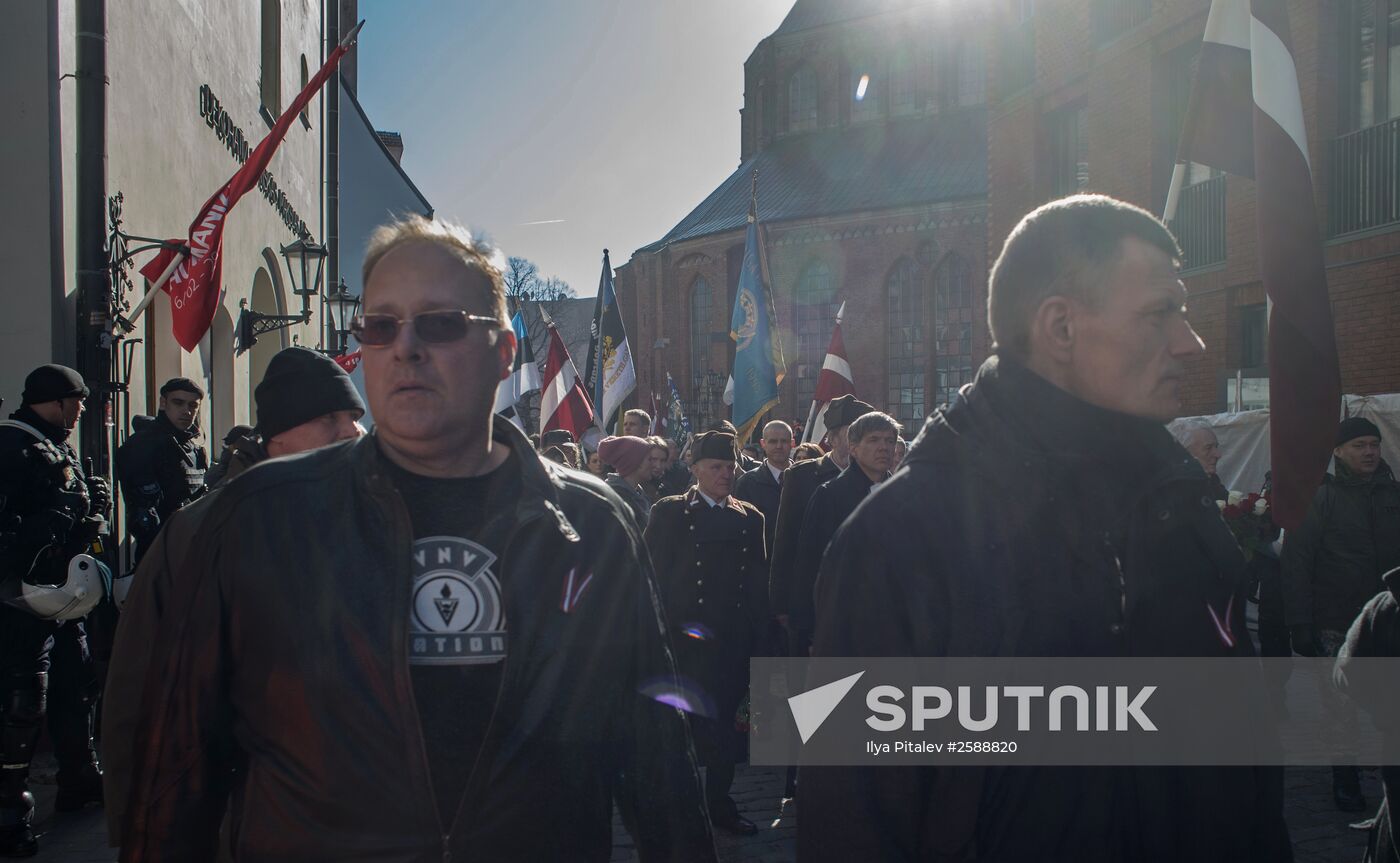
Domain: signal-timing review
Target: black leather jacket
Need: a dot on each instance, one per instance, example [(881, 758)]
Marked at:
[(278, 679)]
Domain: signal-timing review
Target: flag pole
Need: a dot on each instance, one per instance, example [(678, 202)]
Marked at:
[(156, 287), (1174, 192)]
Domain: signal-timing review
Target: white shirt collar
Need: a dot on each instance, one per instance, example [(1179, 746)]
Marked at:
[(776, 471), (709, 500)]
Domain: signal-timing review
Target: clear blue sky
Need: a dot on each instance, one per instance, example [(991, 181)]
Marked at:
[(604, 120)]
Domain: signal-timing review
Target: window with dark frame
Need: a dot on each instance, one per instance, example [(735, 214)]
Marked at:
[(903, 83), (1370, 67), (952, 292), (969, 78), (1069, 161), (1113, 18), (1199, 224), (1254, 336), (867, 89), (905, 348), (816, 318), (802, 100), (1364, 163), (702, 300), (270, 80)]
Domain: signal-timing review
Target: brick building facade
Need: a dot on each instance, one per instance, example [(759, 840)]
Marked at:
[(1101, 109), (1070, 95), (876, 201)]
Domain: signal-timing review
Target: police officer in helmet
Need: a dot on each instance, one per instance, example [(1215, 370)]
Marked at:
[(50, 514)]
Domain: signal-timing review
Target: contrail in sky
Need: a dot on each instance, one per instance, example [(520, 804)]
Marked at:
[(544, 222)]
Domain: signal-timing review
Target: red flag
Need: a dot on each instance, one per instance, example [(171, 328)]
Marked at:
[(195, 285), (834, 381), (349, 362), (563, 403), (1304, 378)]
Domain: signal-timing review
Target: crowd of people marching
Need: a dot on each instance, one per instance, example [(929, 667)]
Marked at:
[(444, 639)]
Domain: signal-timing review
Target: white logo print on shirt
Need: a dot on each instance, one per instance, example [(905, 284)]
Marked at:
[(456, 617)]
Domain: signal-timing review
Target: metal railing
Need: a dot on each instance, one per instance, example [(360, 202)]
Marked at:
[(1364, 187), (1200, 223), (1113, 18)]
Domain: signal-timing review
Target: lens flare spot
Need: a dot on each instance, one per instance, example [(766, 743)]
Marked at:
[(681, 693), (862, 87), (698, 631)]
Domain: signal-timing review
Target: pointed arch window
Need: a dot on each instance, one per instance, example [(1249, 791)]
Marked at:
[(952, 292), (816, 318), (802, 100), (904, 341), (702, 300)]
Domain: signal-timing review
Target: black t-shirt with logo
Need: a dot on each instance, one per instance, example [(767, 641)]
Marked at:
[(457, 623)]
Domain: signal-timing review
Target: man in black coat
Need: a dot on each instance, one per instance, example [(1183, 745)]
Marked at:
[(800, 482), (707, 547), (1332, 565), (161, 466), (1049, 513), (49, 512), (1375, 634), (871, 439), (763, 485)]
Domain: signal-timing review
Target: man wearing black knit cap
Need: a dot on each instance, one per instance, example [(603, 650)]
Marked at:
[(305, 401), (161, 466), (49, 512), (1333, 562)]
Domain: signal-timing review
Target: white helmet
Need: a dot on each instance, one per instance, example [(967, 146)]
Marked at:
[(78, 595)]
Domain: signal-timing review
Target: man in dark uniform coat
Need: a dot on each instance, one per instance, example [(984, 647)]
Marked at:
[(1048, 513), (763, 485), (707, 547), (799, 484), (871, 439), (162, 464), (49, 512)]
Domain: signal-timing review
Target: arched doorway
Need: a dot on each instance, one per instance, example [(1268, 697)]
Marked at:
[(266, 299), (221, 376)]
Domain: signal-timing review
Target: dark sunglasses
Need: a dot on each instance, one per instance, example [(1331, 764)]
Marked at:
[(438, 327)]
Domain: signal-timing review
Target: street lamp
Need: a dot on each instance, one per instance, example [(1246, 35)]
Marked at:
[(343, 305), (305, 260), (306, 257)]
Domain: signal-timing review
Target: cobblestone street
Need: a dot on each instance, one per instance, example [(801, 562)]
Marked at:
[(1320, 833)]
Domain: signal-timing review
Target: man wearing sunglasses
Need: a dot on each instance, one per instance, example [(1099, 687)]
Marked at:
[(468, 645)]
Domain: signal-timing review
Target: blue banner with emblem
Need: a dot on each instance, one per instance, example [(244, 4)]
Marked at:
[(751, 328)]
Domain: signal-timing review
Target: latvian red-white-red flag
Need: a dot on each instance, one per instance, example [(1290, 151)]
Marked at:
[(563, 403), (1245, 117), (834, 381), (195, 284)]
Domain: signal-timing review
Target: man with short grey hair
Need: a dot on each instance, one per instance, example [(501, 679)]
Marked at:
[(1048, 513), (871, 439), (1198, 438)]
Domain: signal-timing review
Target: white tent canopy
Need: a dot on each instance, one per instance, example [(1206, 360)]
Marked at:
[(1244, 437)]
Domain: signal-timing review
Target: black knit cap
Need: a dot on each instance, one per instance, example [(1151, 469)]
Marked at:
[(1352, 428), (181, 385), (554, 437), (237, 432), (845, 410), (51, 382), (299, 386), (713, 444)]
